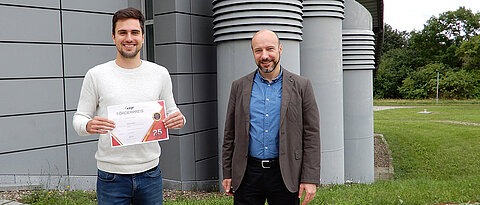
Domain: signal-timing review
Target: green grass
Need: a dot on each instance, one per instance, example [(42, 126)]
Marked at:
[(425, 147), (432, 102), (54, 197), (210, 201), (435, 161)]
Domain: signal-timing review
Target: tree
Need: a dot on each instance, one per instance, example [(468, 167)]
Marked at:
[(469, 54), (448, 43), (394, 68), (441, 36), (392, 39), (422, 83), (459, 25)]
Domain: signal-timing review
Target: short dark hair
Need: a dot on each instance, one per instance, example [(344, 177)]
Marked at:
[(128, 13)]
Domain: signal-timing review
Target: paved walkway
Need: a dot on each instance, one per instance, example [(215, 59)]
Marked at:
[(387, 107)]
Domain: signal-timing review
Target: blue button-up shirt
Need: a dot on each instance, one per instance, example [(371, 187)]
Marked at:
[(265, 104)]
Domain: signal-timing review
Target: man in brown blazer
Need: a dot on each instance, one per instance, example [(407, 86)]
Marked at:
[(271, 146)]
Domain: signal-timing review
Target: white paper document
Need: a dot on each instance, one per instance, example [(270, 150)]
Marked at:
[(137, 123)]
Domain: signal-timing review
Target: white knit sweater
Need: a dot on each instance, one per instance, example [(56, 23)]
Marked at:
[(108, 84)]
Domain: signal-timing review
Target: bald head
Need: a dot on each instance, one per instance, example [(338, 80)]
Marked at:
[(263, 35)]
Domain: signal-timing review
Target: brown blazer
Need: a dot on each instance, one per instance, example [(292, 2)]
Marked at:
[(299, 134)]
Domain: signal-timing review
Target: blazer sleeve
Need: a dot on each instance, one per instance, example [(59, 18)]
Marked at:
[(311, 137), (229, 134)]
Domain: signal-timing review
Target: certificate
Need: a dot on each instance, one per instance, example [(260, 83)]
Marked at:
[(137, 123)]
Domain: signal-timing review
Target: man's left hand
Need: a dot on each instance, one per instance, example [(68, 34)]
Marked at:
[(310, 191), (174, 120)]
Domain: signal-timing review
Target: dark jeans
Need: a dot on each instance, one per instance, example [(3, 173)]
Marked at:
[(141, 188), (259, 184)]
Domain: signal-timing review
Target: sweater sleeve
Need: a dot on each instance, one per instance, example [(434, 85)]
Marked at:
[(87, 105)]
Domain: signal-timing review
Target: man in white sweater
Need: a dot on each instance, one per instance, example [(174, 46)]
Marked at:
[(127, 174)]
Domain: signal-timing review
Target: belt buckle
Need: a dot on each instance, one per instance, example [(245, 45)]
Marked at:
[(263, 166)]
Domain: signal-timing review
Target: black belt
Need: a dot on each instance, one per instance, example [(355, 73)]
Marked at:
[(264, 163)]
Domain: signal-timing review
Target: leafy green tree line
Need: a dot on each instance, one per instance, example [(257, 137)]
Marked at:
[(448, 44)]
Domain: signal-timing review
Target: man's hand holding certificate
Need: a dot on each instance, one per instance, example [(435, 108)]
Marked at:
[(137, 123)]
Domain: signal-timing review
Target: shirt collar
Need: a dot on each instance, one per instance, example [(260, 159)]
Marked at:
[(278, 78)]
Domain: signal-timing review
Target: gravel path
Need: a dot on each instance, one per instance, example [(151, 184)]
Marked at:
[(378, 108)]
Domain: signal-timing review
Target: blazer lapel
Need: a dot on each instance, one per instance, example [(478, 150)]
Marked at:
[(246, 94), (287, 86)]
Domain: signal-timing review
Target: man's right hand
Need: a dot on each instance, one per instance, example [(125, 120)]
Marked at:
[(227, 185), (100, 125)]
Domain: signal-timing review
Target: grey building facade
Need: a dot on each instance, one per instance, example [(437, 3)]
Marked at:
[(47, 46)]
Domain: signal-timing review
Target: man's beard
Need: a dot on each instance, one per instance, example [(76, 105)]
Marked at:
[(265, 70), (129, 55)]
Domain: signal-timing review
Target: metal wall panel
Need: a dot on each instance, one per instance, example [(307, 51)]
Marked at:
[(79, 27), (72, 136), (29, 24), (205, 116), (49, 161), (207, 169), (32, 131), (81, 159), (178, 158), (206, 145), (29, 60), (187, 162), (170, 158), (78, 59), (162, 6), (187, 111), (28, 96), (204, 87), (109, 6), (184, 45), (182, 88), (73, 87), (204, 59), (175, 28), (202, 30), (43, 3), (176, 58), (202, 7)]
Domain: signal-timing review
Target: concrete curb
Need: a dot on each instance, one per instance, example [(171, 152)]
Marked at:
[(18, 187)]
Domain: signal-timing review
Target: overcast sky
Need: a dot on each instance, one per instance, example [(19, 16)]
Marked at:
[(406, 15)]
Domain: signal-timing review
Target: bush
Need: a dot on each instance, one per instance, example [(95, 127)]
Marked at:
[(422, 83), (460, 85), (394, 68)]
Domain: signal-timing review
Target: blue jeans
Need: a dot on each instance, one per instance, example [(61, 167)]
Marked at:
[(141, 188)]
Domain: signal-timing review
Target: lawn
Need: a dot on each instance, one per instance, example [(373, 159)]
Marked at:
[(436, 158)]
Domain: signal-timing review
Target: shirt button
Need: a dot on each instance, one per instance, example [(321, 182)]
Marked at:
[(268, 99), (266, 130), (266, 115), (266, 147), (268, 85)]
